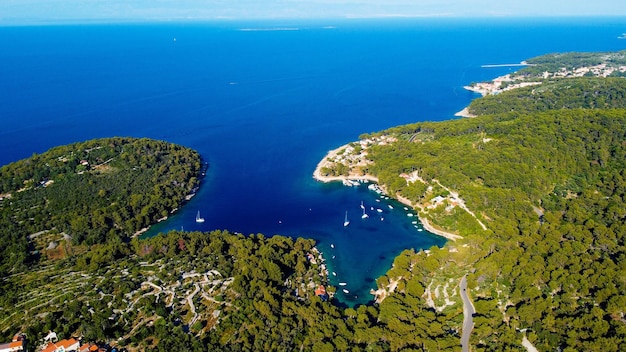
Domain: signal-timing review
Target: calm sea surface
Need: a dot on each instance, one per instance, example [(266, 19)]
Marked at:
[(263, 106)]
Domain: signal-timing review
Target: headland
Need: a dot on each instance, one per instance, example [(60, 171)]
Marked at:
[(354, 174)]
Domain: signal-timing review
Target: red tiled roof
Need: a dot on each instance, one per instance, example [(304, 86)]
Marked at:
[(320, 290), (51, 347), (66, 344), (14, 346)]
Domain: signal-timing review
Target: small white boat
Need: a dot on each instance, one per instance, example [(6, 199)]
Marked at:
[(334, 274), (362, 206), (379, 210), (364, 216), (409, 215), (342, 284), (346, 222), (332, 245), (420, 230), (345, 291), (389, 205), (198, 218)]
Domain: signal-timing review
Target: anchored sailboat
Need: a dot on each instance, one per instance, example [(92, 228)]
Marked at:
[(346, 222), (364, 216), (198, 218)]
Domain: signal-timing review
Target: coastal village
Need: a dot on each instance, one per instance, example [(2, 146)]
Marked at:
[(515, 80)]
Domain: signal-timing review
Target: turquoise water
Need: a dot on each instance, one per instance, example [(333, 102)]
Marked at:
[(263, 107)]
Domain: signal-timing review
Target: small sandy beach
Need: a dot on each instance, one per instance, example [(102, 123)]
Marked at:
[(464, 113)]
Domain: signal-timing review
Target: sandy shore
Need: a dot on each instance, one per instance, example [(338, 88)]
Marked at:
[(426, 224), (464, 113), (317, 174), (431, 229)]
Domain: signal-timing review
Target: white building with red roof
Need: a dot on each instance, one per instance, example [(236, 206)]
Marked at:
[(62, 346)]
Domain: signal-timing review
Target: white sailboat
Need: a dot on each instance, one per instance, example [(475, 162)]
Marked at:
[(364, 216), (198, 218), (346, 222)]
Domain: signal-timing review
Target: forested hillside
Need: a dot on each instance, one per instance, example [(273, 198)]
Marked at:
[(550, 187), (88, 193), (229, 291)]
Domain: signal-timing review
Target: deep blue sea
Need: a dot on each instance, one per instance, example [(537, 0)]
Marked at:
[(263, 106)]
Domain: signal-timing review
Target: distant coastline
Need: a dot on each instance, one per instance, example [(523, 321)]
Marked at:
[(325, 162)]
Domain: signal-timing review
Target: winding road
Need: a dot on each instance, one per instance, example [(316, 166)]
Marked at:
[(468, 313)]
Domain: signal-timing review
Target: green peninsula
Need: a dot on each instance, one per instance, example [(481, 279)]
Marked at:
[(535, 186), (89, 193)]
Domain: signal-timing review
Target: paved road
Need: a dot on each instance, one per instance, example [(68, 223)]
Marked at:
[(468, 312)]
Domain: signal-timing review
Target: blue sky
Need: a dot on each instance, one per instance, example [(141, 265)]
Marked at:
[(60, 10)]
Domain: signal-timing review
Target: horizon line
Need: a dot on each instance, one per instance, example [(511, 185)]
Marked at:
[(129, 20)]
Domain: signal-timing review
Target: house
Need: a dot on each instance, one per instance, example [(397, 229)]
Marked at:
[(62, 346), (321, 292), (436, 201), (12, 346), (17, 344), (88, 348)]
